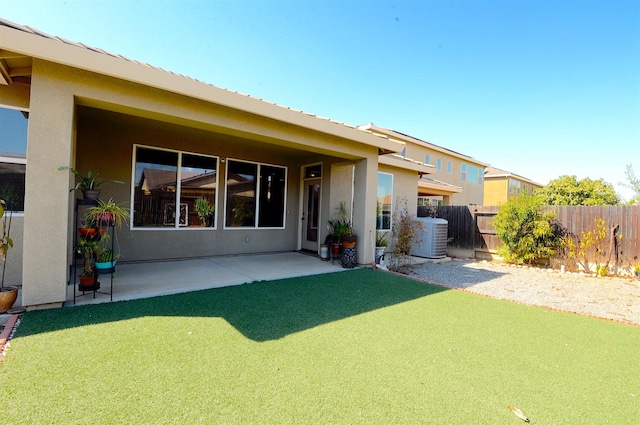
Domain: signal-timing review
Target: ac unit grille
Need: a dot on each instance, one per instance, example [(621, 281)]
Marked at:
[(434, 238)]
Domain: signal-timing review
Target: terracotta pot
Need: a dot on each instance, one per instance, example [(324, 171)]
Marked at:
[(87, 232), (349, 241), (8, 296), (87, 283)]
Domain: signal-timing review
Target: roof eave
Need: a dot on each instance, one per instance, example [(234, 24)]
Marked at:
[(405, 163), (95, 60)]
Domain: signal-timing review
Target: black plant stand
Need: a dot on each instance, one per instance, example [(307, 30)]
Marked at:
[(78, 290)]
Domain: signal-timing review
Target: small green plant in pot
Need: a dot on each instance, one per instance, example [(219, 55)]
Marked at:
[(106, 259), (381, 244), (341, 228), (381, 239), (107, 213), (88, 247), (90, 185), (206, 212)]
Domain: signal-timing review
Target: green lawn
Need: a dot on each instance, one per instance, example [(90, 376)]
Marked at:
[(359, 346)]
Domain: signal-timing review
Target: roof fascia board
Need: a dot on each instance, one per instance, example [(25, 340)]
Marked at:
[(406, 164), (442, 187), (393, 134), (494, 173), (78, 56)]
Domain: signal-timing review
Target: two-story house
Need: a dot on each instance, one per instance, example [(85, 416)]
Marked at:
[(500, 185), (454, 178)]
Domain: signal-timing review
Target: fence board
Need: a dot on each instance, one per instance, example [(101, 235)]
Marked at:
[(470, 227)]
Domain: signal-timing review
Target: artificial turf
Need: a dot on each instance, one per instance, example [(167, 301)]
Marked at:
[(360, 346)]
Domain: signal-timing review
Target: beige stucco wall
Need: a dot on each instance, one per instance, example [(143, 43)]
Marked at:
[(470, 194), (404, 193), (15, 95), (496, 191), (46, 223)]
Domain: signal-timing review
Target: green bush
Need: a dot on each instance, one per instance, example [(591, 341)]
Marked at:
[(528, 231)]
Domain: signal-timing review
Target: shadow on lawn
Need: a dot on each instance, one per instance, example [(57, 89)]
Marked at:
[(261, 311)]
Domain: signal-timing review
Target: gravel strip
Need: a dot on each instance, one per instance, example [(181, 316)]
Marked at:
[(605, 297)]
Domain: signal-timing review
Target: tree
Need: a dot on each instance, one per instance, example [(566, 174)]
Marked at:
[(633, 183), (568, 190), (528, 231)]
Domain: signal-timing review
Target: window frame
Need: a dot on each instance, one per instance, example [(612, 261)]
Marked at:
[(390, 206), (514, 186), (256, 220), (10, 159), (176, 225)]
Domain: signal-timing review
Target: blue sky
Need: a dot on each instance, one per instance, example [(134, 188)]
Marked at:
[(540, 88)]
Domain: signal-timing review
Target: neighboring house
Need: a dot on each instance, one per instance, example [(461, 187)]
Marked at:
[(274, 175), (500, 185), (453, 178)]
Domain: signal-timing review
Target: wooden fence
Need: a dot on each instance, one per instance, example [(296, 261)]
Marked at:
[(470, 227)]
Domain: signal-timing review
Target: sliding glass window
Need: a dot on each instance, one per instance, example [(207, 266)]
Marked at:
[(13, 157), (385, 197), (255, 195), (174, 189)]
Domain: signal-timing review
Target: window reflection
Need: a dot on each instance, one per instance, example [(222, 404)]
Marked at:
[(168, 195)]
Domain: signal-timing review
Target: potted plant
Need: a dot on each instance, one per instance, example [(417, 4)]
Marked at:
[(107, 213), (344, 235), (340, 227), (88, 229), (88, 247), (8, 294), (90, 184), (206, 212), (381, 244), (106, 259)]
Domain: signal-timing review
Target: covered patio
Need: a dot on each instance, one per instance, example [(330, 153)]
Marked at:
[(155, 278)]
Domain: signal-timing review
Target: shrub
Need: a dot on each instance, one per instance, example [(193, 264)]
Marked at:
[(590, 249), (405, 232), (528, 231)]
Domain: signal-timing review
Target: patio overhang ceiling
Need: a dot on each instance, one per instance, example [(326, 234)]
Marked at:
[(30, 43), (15, 68)]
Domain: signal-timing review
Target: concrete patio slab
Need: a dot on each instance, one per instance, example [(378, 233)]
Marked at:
[(143, 280)]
